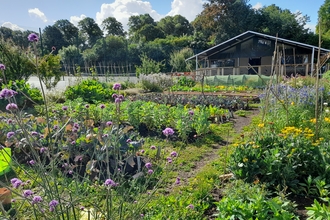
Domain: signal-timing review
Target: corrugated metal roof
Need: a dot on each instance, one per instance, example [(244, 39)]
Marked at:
[(245, 36)]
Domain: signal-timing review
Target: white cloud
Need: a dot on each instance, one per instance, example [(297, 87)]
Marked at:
[(187, 8), (311, 26), (75, 19), (12, 26), (257, 6), (122, 10), (37, 13)]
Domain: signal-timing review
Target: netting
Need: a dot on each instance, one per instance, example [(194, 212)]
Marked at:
[(238, 80)]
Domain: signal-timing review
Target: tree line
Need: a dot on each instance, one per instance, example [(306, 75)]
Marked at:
[(88, 44)]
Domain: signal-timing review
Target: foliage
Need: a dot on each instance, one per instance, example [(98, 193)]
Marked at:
[(50, 70), (245, 201), (185, 81), (175, 25), (19, 64), (90, 30), (318, 211), (90, 91), (70, 56), (148, 66), (113, 27), (156, 82), (178, 60), (53, 37)]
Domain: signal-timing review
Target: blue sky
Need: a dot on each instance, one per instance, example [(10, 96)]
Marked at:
[(32, 14)]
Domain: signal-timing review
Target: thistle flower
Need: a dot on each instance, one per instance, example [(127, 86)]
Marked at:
[(33, 37), (11, 107), (116, 86), (2, 66)]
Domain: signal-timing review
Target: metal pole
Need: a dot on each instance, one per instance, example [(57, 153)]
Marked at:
[(312, 61)]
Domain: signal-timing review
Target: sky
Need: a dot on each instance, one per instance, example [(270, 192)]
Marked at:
[(35, 14)]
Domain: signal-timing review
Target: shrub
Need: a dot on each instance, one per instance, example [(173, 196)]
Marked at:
[(90, 91), (156, 82), (184, 81)]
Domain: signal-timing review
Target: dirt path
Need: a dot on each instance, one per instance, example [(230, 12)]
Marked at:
[(238, 124)]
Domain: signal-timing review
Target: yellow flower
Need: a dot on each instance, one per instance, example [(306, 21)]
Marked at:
[(261, 125), (292, 103), (245, 160), (313, 120)]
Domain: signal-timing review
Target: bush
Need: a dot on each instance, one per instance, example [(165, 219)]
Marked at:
[(156, 82), (90, 91), (184, 81)]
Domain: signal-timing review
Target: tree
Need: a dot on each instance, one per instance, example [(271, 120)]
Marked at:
[(53, 37), (90, 30), (6, 33), (176, 26), (70, 57), (324, 19), (178, 60), (284, 23), (136, 22), (148, 66), (113, 27), (69, 31), (143, 28)]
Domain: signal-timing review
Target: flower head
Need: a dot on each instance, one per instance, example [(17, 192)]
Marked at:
[(9, 121), (7, 93), (109, 123), (11, 107), (33, 37), (148, 165), (10, 134), (190, 206), (174, 154), (116, 86), (168, 132), (27, 193), (32, 162), (153, 147), (110, 182), (64, 108), (52, 205), (150, 171), (34, 133), (2, 66), (191, 112), (42, 150), (102, 106), (178, 180), (16, 182), (36, 199)]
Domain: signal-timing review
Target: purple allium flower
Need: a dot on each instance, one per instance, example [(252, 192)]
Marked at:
[(142, 151), (178, 180), (114, 96), (55, 127), (116, 86), (150, 171), (169, 160), (41, 136), (34, 133), (174, 154), (7, 93), (36, 199), (53, 48), (73, 142), (148, 165), (70, 172), (82, 208), (64, 108), (9, 121), (191, 112), (42, 150), (168, 132), (153, 147), (10, 134), (190, 206), (121, 97), (102, 106), (128, 140), (16, 182), (32, 162), (110, 182), (76, 125), (109, 123), (105, 135), (33, 37), (142, 215), (11, 107), (13, 200), (52, 205), (27, 193), (2, 66), (86, 106)]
